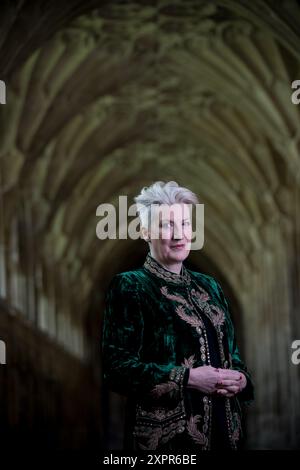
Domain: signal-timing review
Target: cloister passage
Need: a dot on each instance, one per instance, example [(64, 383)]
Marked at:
[(103, 98)]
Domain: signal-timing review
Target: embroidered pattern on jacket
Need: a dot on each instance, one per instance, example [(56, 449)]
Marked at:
[(177, 298), (156, 434), (166, 387), (158, 414), (193, 320), (198, 298), (155, 268), (189, 362), (158, 426), (194, 432), (214, 313), (201, 438), (161, 389), (236, 427), (217, 316)]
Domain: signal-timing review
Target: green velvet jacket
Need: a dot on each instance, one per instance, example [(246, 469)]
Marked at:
[(156, 326)]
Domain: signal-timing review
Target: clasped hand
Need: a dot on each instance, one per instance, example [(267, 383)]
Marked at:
[(223, 382)]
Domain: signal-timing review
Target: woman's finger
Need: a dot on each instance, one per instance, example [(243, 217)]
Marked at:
[(231, 389), (225, 393), (234, 389), (226, 383), (229, 374)]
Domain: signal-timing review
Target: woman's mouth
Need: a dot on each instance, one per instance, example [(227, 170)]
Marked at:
[(178, 247)]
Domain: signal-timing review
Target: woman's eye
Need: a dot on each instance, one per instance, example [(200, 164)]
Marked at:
[(169, 224)]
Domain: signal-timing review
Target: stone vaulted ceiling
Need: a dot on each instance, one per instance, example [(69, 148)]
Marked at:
[(132, 92)]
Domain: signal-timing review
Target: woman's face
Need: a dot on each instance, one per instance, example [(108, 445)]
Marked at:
[(171, 232)]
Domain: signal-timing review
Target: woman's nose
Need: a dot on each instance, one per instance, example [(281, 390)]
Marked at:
[(177, 234)]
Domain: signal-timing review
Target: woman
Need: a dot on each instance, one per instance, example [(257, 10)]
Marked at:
[(168, 340)]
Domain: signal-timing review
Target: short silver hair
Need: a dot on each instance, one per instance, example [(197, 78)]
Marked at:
[(161, 193)]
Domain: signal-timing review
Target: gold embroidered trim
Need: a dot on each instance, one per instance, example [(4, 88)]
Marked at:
[(158, 426), (177, 298), (163, 388), (196, 298), (201, 438), (153, 436), (213, 312), (157, 435), (237, 427), (202, 296), (194, 432), (193, 320), (172, 385), (159, 414), (166, 387), (234, 425), (177, 374), (199, 299), (189, 362), (158, 270)]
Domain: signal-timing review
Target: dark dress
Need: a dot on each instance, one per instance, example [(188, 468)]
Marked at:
[(157, 325)]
